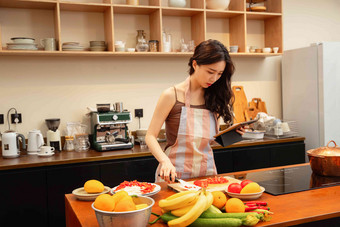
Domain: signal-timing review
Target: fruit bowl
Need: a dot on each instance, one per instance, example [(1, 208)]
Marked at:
[(247, 196), (135, 218)]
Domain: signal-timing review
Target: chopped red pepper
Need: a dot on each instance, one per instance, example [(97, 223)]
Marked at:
[(144, 186)]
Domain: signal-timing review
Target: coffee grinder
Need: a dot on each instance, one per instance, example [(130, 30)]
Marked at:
[(53, 134)]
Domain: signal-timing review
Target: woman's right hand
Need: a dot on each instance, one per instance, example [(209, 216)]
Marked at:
[(167, 171)]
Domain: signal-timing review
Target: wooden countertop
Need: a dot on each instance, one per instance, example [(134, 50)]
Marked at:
[(289, 209), (69, 157)]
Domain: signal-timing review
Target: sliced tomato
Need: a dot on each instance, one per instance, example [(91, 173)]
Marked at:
[(206, 182)]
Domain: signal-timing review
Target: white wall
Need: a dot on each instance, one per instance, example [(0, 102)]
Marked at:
[(46, 87)]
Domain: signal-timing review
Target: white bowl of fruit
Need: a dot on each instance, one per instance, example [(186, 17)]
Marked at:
[(247, 189)]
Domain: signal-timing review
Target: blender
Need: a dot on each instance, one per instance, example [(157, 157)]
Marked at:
[(53, 134)]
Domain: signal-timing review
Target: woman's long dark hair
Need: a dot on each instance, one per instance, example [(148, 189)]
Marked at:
[(219, 96)]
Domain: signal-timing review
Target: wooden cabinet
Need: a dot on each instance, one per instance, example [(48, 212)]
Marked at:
[(257, 157), (113, 20), (24, 198)]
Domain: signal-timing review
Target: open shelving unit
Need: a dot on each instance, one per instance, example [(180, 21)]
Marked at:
[(106, 20)]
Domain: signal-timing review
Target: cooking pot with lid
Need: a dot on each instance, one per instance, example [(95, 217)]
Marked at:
[(325, 161)]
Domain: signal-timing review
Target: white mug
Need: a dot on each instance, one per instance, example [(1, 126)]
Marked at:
[(49, 44), (46, 150)]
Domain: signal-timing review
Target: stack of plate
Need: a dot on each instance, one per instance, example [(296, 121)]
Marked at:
[(22, 43), (97, 46), (72, 46)]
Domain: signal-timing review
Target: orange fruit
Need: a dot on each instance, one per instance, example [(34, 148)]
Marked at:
[(104, 202), (234, 205), (219, 199), (93, 186), (141, 206), (251, 188), (125, 205), (120, 195)]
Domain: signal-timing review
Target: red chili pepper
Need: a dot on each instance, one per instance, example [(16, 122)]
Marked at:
[(250, 208), (259, 203), (263, 208), (250, 204)]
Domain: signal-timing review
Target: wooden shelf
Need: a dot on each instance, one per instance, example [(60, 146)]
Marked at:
[(111, 53), (234, 24), (261, 16), (181, 12), (82, 7), (126, 9)]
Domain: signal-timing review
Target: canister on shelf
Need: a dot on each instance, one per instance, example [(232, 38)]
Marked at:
[(153, 45)]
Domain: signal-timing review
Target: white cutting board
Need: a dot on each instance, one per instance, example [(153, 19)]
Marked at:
[(211, 187)]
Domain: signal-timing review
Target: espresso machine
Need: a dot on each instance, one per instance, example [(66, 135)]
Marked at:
[(53, 134), (109, 130)]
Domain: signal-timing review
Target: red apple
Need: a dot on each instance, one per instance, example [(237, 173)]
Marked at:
[(235, 188), (245, 182)]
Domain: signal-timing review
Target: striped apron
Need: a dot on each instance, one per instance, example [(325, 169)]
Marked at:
[(191, 154)]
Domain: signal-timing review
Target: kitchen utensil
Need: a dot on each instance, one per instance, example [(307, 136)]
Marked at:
[(135, 218), (217, 4), (110, 131), (248, 196), (81, 194), (240, 104), (22, 40), (233, 49), (49, 44), (46, 150), (132, 2), (267, 50), (10, 144), (118, 107), (103, 108), (250, 113), (81, 142), (69, 143), (177, 3), (211, 187), (35, 141), (186, 185), (325, 161), (53, 134), (258, 104)]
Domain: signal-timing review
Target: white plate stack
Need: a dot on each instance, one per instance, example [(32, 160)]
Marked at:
[(72, 46), (97, 46), (22, 43)]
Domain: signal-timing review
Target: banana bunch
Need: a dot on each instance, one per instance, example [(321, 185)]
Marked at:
[(188, 206)]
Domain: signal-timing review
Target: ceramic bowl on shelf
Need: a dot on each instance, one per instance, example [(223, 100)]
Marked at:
[(267, 50), (217, 4), (22, 40), (247, 196)]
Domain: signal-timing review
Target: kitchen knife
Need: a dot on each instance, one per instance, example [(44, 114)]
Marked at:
[(186, 185)]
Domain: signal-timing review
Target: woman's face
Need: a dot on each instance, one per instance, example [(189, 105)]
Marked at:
[(208, 74)]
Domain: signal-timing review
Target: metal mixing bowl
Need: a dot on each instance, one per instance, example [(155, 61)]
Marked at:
[(136, 218)]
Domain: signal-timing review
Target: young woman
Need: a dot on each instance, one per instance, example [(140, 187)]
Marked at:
[(190, 111)]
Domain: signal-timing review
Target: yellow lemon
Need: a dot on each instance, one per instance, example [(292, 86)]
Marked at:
[(251, 188)]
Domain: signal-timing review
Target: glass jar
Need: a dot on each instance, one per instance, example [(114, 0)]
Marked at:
[(69, 145), (153, 45), (142, 46), (140, 36), (81, 142)]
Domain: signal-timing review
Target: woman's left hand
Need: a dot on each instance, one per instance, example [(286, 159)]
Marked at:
[(242, 130)]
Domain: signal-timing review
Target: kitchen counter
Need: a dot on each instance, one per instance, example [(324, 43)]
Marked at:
[(289, 209), (69, 157)]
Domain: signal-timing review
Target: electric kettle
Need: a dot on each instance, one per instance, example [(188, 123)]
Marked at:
[(34, 142), (10, 144)]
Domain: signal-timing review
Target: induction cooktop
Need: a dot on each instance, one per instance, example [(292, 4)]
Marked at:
[(291, 179)]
